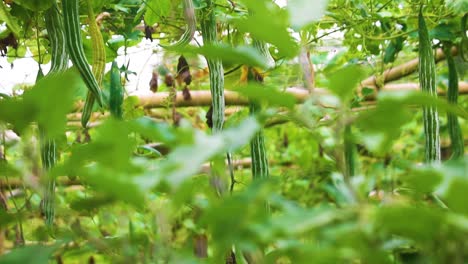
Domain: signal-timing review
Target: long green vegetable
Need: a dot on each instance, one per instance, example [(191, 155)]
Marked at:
[(99, 62), (216, 74), (455, 132), (349, 152), (427, 79), (75, 46), (59, 63), (190, 19), (116, 92), (260, 167)]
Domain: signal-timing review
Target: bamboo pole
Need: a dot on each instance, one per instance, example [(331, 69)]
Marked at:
[(402, 87), (203, 98), (400, 71), (238, 164), (155, 102)]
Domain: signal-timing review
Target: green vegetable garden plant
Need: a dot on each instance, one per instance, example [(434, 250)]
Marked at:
[(291, 131)]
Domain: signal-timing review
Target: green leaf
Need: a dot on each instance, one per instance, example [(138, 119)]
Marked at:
[(53, 100), (444, 32), (424, 99), (273, 31), (417, 223), (36, 254), (90, 204), (422, 179), (155, 131), (36, 5), (459, 6), (17, 113), (241, 55), (199, 4), (7, 218), (367, 91), (242, 212), (9, 20), (304, 12), (111, 147), (106, 163), (186, 160), (344, 81), (47, 103), (454, 185), (269, 95), (157, 11), (383, 124), (393, 49)]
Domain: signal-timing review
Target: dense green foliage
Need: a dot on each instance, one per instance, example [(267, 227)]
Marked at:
[(348, 181)]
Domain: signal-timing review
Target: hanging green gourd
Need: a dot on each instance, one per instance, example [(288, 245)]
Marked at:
[(349, 152), (455, 132), (71, 19), (216, 72), (99, 61), (260, 167), (215, 115), (59, 63), (427, 79), (116, 93), (190, 19)]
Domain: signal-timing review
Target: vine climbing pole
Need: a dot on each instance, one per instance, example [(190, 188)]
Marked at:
[(59, 63)]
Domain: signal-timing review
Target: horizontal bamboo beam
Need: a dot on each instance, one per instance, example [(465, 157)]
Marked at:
[(203, 98), (402, 87), (401, 70), (237, 164)]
